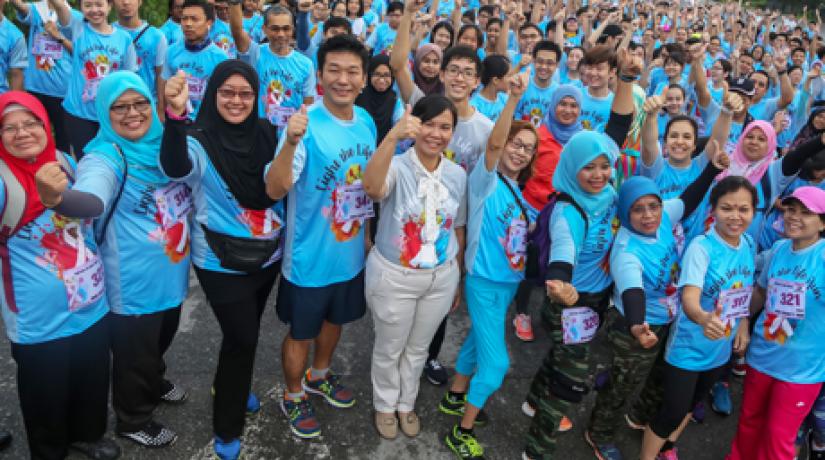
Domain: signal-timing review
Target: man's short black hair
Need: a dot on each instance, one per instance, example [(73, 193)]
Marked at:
[(547, 45), (207, 8), (333, 22), (344, 43), (459, 52)]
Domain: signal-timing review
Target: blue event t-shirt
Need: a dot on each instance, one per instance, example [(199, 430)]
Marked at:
[(56, 278), (151, 52), (496, 226), (589, 254), (50, 64), (381, 39), (773, 227), (221, 35), (490, 109), (13, 51), (218, 210), (652, 264), (324, 239), (595, 111), (284, 82), (535, 102), (198, 66), (788, 347), (715, 267), (172, 31), (146, 246), (95, 55), (254, 27)]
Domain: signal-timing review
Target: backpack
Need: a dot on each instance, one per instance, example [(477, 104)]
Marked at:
[(540, 238)]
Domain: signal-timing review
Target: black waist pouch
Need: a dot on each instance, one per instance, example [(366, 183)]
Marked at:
[(240, 254)]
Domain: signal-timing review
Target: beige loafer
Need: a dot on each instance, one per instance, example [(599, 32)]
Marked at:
[(410, 424), (386, 424)]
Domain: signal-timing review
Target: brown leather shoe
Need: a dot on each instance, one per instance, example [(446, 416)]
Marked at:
[(386, 424), (410, 424)]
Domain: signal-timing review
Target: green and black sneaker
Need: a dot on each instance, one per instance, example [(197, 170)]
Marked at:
[(464, 445), (452, 404)]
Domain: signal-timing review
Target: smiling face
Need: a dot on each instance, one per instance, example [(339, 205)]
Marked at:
[(468, 38), (567, 111), (460, 79), (800, 222), (819, 120), (717, 72), (545, 64), (23, 135), (126, 9), (342, 78), (381, 78), (598, 75), (430, 65), (646, 214), (435, 135), (278, 30), (733, 213), (527, 39), (518, 152), (674, 101), (95, 11), (574, 57), (493, 31), (755, 145), (442, 38), (680, 141), (594, 176), (673, 69), (131, 115), (235, 99)]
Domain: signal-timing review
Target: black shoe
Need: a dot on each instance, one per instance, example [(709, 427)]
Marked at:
[(814, 454), (103, 449), (452, 405), (435, 373), (172, 394), (5, 439), (153, 435)]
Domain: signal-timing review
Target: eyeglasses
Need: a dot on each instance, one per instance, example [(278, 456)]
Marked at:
[(385, 76), (455, 71), (526, 148), (122, 109), (28, 126), (652, 208), (245, 95)]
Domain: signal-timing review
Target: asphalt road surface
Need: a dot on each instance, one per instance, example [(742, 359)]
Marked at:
[(349, 433)]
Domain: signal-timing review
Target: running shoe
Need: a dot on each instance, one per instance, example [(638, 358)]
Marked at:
[(564, 425), (102, 449), (301, 417), (633, 424), (671, 454), (698, 414), (172, 394), (252, 404), (452, 405), (227, 450), (813, 453), (330, 387), (435, 373), (464, 445), (739, 368), (524, 327), (607, 451), (721, 403), (152, 435)]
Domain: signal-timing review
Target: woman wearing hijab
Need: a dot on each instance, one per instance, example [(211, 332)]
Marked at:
[(379, 98), (144, 234), (236, 227), (53, 301), (814, 127), (424, 79)]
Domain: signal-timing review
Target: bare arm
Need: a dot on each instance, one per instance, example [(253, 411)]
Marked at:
[(498, 136), (279, 178), (375, 175), (23, 8), (401, 50), (16, 79), (64, 13), (650, 130), (236, 26)]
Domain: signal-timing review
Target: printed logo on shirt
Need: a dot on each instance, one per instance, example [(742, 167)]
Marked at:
[(348, 203), (603, 242), (47, 51), (412, 237), (262, 223), (173, 205), (671, 299), (94, 69)]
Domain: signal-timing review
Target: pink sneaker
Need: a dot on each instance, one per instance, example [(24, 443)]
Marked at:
[(524, 327), (671, 454)]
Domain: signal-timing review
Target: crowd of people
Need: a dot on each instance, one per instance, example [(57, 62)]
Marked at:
[(654, 170)]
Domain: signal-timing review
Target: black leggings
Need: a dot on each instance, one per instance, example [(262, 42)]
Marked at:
[(682, 390), (437, 341), (238, 302), (80, 132), (54, 107)]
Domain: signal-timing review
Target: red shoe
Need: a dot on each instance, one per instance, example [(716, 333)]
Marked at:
[(524, 327), (739, 367)]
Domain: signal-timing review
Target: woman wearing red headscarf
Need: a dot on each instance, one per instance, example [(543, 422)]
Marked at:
[(51, 297)]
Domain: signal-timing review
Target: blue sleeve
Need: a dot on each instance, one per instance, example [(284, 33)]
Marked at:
[(767, 256), (710, 113), (398, 111), (163, 45), (373, 38), (298, 160), (653, 170), (302, 30), (567, 230), (96, 176), (481, 183), (251, 55), (18, 57), (626, 270), (73, 29), (166, 72), (130, 58), (27, 19), (694, 264), (309, 83), (675, 210)]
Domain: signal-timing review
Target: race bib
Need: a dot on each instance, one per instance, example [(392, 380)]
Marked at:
[(679, 236), (672, 302), (517, 237), (579, 325), (279, 116), (84, 283), (735, 303), (786, 298), (197, 87), (90, 89), (46, 46), (174, 202), (352, 203)]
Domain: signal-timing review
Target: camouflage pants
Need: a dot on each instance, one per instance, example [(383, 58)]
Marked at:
[(631, 365), (572, 362)]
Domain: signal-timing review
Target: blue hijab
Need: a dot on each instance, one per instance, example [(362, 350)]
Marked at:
[(141, 155), (584, 147), (633, 189), (562, 133)]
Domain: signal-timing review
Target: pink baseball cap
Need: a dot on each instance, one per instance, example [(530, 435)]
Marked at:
[(812, 197)]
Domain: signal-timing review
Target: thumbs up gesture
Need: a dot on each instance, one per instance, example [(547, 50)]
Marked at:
[(176, 93), (561, 292), (714, 328), (296, 127), (653, 104), (518, 83), (408, 126), (644, 335)]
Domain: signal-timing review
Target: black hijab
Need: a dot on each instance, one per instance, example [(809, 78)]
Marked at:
[(808, 131), (239, 152), (380, 105)]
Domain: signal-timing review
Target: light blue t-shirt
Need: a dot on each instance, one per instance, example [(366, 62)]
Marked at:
[(146, 246), (789, 347), (717, 268), (535, 103), (56, 279), (774, 223), (765, 109), (221, 36), (151, 53), (95, 55), (198, 66), (490, 109), (651, 264), (13, 51), (497, 227), (172, 31), (50, 64), (595, 111), (218, 210), (589, 254), (320, 221), (381, 39), (284, 82), (254, 27)]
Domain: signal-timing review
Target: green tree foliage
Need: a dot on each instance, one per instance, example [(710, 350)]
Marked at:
[(154, 11)]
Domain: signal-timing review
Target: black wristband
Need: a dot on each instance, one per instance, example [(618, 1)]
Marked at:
[(628, 78)]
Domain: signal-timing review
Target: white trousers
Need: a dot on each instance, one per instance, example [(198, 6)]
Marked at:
[(407, 307)]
